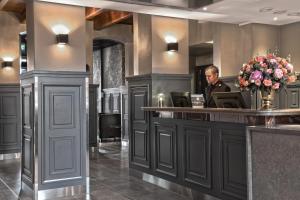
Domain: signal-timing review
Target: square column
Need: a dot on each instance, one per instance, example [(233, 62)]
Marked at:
[(54, 131)]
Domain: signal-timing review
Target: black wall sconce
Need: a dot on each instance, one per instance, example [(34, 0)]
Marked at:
[(172, 46), (7, 64), (62, 39)]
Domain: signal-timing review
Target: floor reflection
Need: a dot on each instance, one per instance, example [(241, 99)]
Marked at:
[(109, 179)]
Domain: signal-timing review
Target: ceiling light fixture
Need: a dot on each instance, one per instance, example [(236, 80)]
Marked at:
[(275, 18), (204, 8)]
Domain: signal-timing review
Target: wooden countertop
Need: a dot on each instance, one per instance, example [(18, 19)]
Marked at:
[(239, 111)]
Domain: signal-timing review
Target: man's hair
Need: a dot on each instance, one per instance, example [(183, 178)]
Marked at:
[(213, 69)]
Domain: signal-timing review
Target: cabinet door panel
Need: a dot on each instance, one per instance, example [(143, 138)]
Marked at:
[(293, 97), (139, 126), (197, 156), (166, 149), (233, 163)]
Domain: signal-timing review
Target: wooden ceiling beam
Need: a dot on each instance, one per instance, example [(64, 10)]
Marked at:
[(91, 13), (21, 16), (109, 18), (17, 7), (3, 4), (12, 5)]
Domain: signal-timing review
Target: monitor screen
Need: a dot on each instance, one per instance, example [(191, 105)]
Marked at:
[(181, 99), (229, 100)]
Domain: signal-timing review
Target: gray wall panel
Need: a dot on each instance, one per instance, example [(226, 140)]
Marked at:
[(62, 132), (197, 156), (10, 119)]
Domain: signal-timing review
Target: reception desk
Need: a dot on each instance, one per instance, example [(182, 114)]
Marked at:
[(206, 149)]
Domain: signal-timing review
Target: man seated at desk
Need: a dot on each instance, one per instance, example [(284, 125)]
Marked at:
[(214, 85)]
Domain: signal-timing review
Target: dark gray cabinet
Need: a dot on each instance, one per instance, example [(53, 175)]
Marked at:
[(207, 156), (93, 115), (233, 171), (165, 149), (197, 158), (289, 97), (293, 97), (10, 119), (139, 129)]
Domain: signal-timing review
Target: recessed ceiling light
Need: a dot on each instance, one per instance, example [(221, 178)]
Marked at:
[(266, 9), (275, 18), (204, 8)]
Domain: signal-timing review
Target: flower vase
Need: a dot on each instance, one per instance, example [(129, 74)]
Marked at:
[(267, 98)]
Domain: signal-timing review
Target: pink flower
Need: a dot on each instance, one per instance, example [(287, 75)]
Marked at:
[(260, 59), (248, 68), (291, 79), (276, 86), (269, 71), (257, 82), (284, 70), (278, 73), (244, 83), (256, 75), (267, 82), (270, 56), (264, 65)]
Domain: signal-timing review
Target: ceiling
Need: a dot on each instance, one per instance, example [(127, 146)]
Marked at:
[(101, 18), (227, 11)]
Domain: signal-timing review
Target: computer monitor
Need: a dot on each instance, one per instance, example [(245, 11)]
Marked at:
[(229, 100), (181, 99)]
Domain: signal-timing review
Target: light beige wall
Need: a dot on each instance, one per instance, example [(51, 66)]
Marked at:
[(265, 38), (235, 45), (162, 60), (47, 54), (142, 41), (226, 48), (9, 46), (200, 32), (89, 46), (290, 35)]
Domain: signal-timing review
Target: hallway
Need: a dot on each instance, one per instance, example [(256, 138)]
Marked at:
[(109, 179)]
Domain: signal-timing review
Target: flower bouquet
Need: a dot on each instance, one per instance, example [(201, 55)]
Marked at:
[(267, 74)]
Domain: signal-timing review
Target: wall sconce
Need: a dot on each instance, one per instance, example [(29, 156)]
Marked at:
[(62, 39), (7, 64), (172, 46)]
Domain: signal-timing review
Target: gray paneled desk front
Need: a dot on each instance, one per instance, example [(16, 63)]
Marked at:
[(210, 154)]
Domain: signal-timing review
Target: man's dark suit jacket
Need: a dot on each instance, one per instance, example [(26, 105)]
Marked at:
[(218, 87)]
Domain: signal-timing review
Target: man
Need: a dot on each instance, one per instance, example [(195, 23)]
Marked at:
[(214, 85)]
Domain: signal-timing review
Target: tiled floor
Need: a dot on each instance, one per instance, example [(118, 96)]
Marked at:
[(109, 179)]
